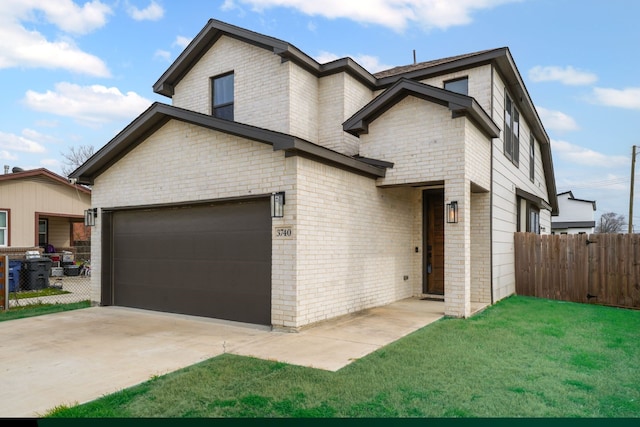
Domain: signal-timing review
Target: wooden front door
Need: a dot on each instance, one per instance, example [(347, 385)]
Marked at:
[(433, 242)]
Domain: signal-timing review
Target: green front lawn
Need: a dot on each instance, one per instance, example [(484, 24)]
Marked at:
[(523, 357), (40, 309)]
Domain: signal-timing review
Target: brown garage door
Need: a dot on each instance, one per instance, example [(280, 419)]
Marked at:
[(212, 261)]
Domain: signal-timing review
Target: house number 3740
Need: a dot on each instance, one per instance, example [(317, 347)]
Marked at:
[(283, 232)]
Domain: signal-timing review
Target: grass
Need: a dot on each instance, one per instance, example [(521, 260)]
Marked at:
[(37, 293), (40, 309), (523, 357)]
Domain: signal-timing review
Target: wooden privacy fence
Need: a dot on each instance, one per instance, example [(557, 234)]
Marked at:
[(596, 268)]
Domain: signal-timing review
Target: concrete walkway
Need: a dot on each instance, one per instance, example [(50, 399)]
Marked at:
[(78, 356)]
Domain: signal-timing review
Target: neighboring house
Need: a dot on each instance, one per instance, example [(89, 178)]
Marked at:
[(575, 216), (40, 208), (370, 167)]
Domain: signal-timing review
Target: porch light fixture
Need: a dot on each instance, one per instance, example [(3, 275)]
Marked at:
[(90, 217), (452, 212), (277, 204)]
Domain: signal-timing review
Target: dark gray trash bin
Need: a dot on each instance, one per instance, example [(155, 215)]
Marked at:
[(35, 273)]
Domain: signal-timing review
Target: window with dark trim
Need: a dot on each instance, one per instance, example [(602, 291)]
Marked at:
[(222, 96), (4, 228), (511, 131), (532, 158), (460, 85), (43, 232)]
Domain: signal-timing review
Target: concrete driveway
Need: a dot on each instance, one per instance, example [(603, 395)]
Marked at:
[(78, 356)]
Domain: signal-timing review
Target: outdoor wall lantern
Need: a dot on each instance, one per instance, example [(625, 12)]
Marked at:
[(90, 217), (452, 212), (277, 204)]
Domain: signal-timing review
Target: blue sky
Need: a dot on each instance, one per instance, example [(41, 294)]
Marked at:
[(77, 72)]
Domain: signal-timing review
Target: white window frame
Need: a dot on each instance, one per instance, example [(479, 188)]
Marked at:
[(4, 230)]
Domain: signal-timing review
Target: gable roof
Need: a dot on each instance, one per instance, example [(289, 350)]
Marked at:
[(288, 52), (42, 174), (158, 114), (457, 103), (570, 197), (500, 58)]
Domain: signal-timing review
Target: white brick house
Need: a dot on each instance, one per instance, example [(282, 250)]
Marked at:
[(368, 164)]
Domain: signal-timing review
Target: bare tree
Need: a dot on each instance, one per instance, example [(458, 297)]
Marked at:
[(611, 222), (75, 157)]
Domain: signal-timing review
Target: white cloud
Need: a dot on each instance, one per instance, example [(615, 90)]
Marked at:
[(40, 137), (181, 41), (89, 105), (162, 54), (153, 12), (557, 120), (567, 75), (5, 155), (625, 98), (51, 164), (572, 153), (20, 47), (12, 142), (395, 14), (370, 63)]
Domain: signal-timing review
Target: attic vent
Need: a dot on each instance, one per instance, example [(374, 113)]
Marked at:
[(6, 169)]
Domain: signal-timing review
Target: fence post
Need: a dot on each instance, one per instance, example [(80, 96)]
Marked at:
[(4, 282)]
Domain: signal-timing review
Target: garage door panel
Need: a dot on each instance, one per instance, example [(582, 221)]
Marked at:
[(210, 261)]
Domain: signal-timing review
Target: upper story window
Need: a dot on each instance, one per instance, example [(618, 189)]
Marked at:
[(511, 131), (4, 228), (458, 85), (222, 96), (532, 159)]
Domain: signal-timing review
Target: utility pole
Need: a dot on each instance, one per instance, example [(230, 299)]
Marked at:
[(633, 173)]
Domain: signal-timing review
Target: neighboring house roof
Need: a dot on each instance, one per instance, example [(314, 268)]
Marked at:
[(573, 224), (500, 57), (42, 174), (159, 114), (570, 197), (457, 103)]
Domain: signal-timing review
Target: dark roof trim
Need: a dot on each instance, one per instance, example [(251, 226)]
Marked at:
[(460, 105), (44, 173), (593, 202), (215, 29), (572, 224), (159, 114), (444, 66), (374, 162), (539, 202)]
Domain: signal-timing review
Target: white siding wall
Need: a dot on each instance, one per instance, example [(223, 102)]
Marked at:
[(506, 178)]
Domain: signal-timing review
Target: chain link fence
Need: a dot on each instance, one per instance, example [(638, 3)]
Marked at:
[(38, 281)]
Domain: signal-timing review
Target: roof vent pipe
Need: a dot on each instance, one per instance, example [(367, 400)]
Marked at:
[(6, 169), (414, 56)]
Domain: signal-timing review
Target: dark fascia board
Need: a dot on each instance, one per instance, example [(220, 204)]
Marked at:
[(297, 146), (503, 60), (159, 114), (573, 199), (44, 173), (457, 103), (572, 224), (212, 32), (539, 202)]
